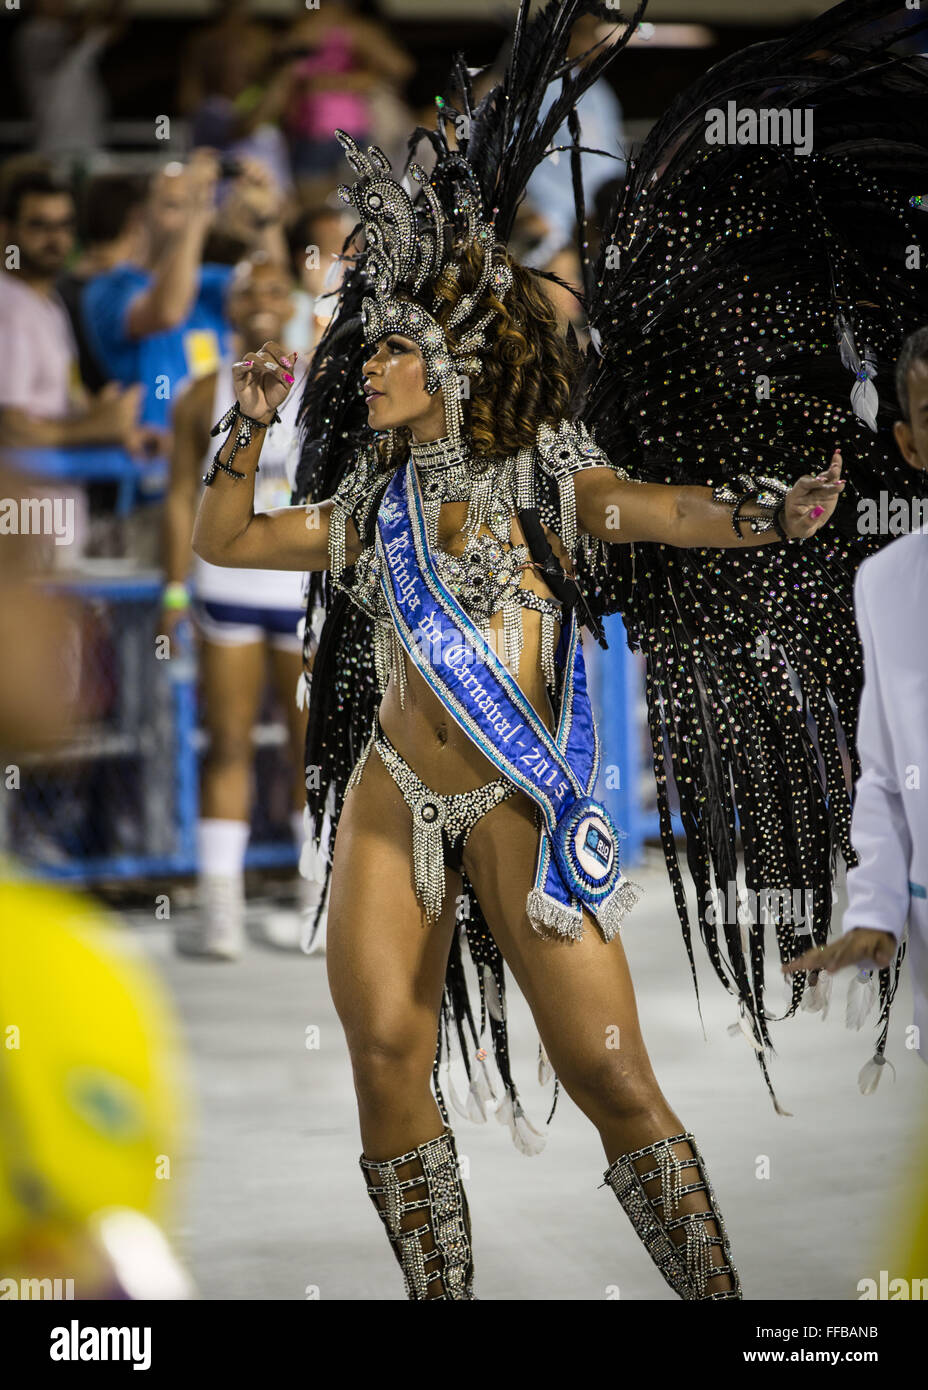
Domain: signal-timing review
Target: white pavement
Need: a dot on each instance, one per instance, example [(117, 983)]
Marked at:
[(273, 1201)]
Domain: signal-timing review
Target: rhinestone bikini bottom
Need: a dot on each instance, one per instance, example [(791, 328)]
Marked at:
[(440, 824)]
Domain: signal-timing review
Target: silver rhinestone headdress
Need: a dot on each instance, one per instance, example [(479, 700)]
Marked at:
[(408, 246)]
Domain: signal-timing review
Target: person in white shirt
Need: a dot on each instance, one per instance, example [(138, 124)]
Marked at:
[(244, 619), (889, 829)]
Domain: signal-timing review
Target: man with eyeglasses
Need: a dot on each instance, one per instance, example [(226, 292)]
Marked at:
[(42, 402)]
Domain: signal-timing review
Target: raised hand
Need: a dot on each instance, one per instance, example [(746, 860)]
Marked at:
[(811, 501), (262, 381)]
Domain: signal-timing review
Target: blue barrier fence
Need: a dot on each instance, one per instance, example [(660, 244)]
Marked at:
[(134, 768), (133, 478)]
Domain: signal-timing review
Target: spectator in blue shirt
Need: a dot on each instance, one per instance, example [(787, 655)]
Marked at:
[(157, 318)]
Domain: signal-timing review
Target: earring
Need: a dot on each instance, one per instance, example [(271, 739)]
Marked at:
[(454, 415)]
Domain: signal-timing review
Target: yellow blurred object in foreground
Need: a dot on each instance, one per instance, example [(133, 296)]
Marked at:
[(913, 1246), (91, 1084)]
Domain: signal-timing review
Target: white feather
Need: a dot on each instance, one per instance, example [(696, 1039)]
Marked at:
[(861, 997), (476, 1110), (865, 402), (527, 1139), (504, 1110), (312, 862), (456, 1103), (870, 1073), (482, 1083), (817, 998), (849, 355), (744, 1027), (545, 1069), (494, 1003)]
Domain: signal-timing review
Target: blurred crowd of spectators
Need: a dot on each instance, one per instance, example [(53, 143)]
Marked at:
[(113, 290)]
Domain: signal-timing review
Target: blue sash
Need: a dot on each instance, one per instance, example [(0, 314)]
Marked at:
[(578, 862)]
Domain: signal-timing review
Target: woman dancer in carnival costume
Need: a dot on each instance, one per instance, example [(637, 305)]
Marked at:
[(476, 491)]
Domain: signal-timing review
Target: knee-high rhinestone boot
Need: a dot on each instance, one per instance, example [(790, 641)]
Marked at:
[(434, 1252), (651, 1194)]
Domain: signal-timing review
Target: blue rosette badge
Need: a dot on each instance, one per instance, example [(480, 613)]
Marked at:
[(586, 846)]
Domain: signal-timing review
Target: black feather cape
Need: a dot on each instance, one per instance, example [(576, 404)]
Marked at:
[(725, 279)]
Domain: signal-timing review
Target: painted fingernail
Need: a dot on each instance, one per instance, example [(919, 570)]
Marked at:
[(816, 512), (249, 363), (289, 379), (286, 361)]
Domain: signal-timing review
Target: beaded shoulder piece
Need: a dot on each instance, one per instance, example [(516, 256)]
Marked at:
[(356, 496), (562, 453)]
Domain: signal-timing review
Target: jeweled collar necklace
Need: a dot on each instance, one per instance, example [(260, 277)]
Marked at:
[(438, 455)]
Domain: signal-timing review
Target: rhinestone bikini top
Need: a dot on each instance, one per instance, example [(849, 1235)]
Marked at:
[(486, 577)]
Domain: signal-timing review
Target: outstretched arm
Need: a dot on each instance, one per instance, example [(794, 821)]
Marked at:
[(228, 531), (620, 511)]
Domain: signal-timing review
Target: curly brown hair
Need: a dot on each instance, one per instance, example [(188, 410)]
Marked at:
[(528, 366)]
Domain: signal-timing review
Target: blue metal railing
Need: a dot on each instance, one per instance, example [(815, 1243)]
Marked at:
[(96, 464), (180, 784), (617, 691)]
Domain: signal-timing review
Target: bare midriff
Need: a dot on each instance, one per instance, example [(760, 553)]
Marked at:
[(423, 732)]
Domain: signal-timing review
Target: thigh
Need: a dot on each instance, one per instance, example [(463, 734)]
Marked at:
[(232, 680), (580, 992), (386, 961)]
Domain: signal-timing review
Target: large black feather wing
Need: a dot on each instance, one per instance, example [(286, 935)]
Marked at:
[(728, 278)]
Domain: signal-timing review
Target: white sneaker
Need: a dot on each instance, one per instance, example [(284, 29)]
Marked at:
[(217, 928), (288, 929), (280, 927)]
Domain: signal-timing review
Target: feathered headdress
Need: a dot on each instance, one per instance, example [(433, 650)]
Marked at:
[(408, 248)]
